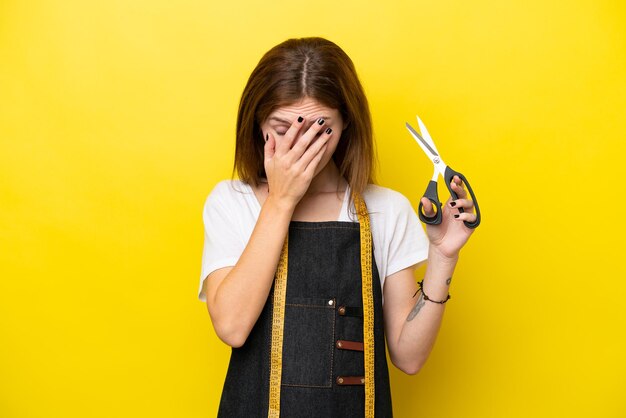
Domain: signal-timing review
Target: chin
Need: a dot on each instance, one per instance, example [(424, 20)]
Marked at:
[(322, 165)]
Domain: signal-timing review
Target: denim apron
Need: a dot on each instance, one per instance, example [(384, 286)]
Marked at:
[(323, 359)]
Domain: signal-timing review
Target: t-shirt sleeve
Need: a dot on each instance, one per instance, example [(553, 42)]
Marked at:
[(222, 244), (408, 243)]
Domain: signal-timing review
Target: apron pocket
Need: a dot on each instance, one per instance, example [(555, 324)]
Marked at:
[(308, 342)]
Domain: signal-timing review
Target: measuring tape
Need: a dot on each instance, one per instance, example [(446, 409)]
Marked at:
[(368, 303), (278, 323), (278, 316)]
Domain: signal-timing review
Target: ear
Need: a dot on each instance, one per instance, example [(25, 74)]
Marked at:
[(345, 125)]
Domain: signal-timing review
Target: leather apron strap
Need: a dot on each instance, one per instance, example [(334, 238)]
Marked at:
[(278, 316)]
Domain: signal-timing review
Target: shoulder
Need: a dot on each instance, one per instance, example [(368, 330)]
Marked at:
[(225, 190), (384, 199), (227, 195)]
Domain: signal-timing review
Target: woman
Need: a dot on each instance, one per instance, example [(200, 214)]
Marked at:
[(300, 250)]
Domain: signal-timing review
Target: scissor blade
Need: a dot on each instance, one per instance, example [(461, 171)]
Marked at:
[(421, 141), (426, 135)]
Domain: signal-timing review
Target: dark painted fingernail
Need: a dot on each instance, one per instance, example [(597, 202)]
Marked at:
[(320, 121), (328, 131), (300, 119), (456, 215), (452, 203)]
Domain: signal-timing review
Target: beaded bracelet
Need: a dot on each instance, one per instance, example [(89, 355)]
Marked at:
[(429, 299)]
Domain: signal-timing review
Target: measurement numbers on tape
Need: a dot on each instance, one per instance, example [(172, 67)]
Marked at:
[(368, 304), (278, 322)]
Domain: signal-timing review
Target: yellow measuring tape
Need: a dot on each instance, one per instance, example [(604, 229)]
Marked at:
[(278, 316), (368, 303), (278, 323)]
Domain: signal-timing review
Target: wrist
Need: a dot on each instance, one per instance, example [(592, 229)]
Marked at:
[(277, 205), (436, 256)]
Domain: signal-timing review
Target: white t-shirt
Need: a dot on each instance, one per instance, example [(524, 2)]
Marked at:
[(232, 209)]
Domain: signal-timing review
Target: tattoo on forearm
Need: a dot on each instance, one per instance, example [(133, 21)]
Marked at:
[(416, 308), (448, 281)]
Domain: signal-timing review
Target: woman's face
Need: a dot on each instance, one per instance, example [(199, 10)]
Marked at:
[(282, 118)]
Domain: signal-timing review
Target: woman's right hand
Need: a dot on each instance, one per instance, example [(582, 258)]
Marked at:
[(290, 165)]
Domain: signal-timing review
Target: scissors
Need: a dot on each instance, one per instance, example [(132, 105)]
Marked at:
[(446, 172)]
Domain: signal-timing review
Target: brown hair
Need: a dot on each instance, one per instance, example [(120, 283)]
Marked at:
[(292, 70)]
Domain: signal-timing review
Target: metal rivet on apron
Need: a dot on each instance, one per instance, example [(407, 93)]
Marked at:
[(331, 302), (339, 345), (339, 380), (342, 310)]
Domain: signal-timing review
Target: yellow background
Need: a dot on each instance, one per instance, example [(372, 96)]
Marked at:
[(117, 118)]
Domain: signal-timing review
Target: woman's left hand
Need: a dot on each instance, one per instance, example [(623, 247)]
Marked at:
[(451, 234)]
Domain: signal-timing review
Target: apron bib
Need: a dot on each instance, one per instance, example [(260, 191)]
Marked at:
[(322, 371)]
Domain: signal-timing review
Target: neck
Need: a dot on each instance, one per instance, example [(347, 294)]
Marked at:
[(327, 180)]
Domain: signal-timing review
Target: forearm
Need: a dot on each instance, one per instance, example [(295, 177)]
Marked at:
[(242, 294), (422, 323)]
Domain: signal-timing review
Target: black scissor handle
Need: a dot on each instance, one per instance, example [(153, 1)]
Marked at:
[(448, 175), (431, 194)]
